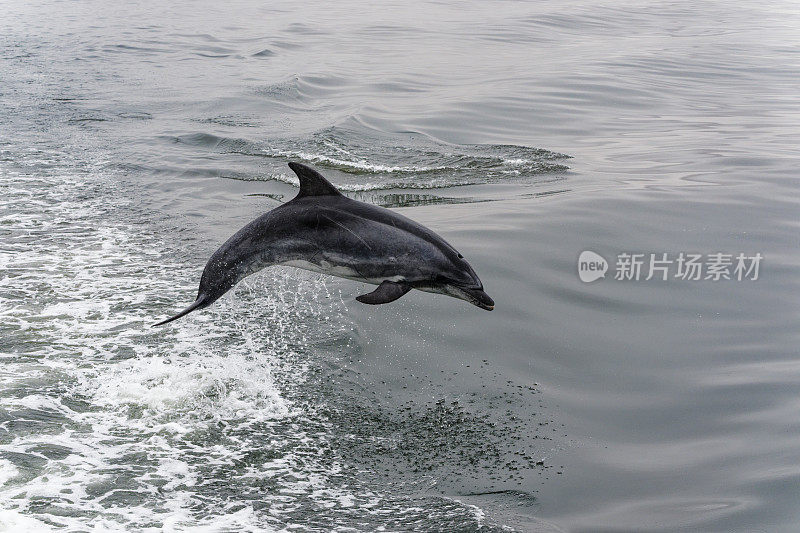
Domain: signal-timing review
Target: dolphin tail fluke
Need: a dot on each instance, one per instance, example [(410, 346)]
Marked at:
[(196, 305)]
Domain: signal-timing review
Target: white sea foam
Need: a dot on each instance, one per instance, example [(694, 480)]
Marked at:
[(430, 183), (16, 522), (7, 471), (355, 163), (187, 427), (121, 447)]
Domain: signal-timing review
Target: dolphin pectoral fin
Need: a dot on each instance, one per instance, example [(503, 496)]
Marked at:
[(388, 291)]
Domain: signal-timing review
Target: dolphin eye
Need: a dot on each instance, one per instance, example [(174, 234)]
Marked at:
[(460, 256)]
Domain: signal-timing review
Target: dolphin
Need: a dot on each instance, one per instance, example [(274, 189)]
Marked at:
[(324, 231)]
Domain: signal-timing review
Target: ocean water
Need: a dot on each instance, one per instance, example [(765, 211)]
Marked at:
[(136, 137)]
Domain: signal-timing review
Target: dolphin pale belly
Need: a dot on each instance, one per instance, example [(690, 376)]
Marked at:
[(324, 231)]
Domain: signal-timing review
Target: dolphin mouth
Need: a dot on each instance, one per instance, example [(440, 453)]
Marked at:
[(479, 298)]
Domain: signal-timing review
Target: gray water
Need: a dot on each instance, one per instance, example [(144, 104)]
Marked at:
[(135, 138)]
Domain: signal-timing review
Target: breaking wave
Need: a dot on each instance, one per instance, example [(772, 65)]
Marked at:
[(370, 163)]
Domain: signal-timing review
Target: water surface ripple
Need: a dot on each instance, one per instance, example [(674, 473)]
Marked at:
[(136, 139)]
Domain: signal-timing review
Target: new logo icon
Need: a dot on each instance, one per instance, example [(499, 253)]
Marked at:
[(591, 266)]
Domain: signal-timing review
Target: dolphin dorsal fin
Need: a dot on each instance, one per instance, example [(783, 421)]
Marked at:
[(312, 183)]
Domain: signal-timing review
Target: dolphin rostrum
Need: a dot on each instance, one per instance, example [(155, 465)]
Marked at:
[(324, 231)]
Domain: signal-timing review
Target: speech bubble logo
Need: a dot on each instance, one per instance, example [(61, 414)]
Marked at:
[(591, 266)]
